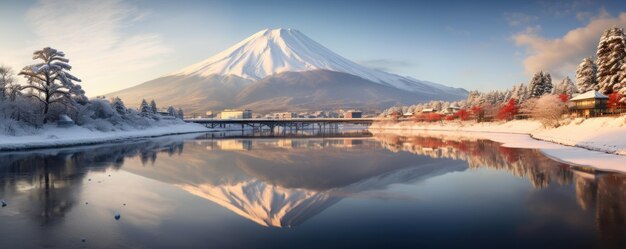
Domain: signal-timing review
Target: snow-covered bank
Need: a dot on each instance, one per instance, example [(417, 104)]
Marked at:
[(588, 141), (53, 136)]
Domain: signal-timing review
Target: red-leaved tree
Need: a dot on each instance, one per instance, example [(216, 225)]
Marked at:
[(564, 97), (508, 110), (432, 117), (478, 112), (614, 101), (462, 114)]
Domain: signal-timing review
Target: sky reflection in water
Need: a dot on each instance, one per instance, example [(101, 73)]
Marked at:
[(195, 191)]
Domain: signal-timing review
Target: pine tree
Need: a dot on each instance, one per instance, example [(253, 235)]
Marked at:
[(50, 81), (522, 93), (536, 85), (144, 108), (586, 76), (181, 115), (172, 112), (566, 86), (547, 83), (119, 106), (153, 107), (610, 59)]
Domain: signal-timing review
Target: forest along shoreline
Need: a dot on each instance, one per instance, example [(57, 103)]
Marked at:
[(599, 143)]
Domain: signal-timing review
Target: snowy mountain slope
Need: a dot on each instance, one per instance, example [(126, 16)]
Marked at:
[(325, 90), (285, 70), (273, 51)]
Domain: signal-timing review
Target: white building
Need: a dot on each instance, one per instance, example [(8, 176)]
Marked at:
[(235, 114)]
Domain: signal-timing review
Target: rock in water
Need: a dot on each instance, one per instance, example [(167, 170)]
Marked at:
[(117, 216), (83, 239), (4, 203)]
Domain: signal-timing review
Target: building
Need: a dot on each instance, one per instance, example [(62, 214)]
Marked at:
[(589, 104), (235, 114), (452, 109), (285, 115), (353, 114), (429, 110)]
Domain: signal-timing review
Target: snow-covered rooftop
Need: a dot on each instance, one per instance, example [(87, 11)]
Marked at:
[(590, 95)]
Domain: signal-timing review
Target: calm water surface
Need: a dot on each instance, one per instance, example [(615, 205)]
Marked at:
[(350, 190)]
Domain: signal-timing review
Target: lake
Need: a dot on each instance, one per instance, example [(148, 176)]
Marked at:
[(348, 189)]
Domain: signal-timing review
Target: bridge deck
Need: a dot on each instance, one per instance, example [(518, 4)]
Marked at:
[(292, 120), (297, 123)]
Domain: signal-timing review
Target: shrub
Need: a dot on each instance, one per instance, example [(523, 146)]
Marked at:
[(548, 110)]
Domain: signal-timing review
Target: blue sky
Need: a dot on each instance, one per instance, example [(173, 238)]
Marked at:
[(470, 44)]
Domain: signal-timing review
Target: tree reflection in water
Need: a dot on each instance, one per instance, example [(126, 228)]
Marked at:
[(285, 181), (50, 180), (601, 192)]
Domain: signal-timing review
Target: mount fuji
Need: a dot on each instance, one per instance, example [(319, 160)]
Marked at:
[(282, 69)]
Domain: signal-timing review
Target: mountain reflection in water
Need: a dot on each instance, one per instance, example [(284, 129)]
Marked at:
[(283, 182)]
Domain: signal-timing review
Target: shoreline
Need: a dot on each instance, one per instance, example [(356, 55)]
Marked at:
[(570, 154), (51, 141)]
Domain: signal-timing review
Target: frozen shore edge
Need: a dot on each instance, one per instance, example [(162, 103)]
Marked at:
[(585, 156), (81, 137)]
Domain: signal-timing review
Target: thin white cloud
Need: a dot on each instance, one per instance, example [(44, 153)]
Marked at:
[(93, 34), (518, 18), (387, 65), (561, 55)]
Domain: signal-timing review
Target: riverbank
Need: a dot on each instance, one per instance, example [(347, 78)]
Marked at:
[(597, 142), (53, 136)]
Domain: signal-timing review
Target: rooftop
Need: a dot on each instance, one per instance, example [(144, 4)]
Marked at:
[(590, 95)]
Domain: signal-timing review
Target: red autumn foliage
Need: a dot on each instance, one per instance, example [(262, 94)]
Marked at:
[(476, 110), (450, 117), (432, 117), (462, 114), (508, 110), (614, 102), (564, 97)]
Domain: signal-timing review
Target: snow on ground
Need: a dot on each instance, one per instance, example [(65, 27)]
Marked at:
[(53, 136), (589, 141)]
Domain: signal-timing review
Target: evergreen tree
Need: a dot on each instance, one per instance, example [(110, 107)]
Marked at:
[(119, 106), (50, 81), (144, 108), (522, 93), (172, 112), (153, 107), (536, 85), (586, 76), (566, 86), (181, 115), (547, 83), (610, 59)]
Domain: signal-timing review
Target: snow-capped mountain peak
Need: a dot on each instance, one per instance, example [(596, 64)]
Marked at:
[(273, 51)]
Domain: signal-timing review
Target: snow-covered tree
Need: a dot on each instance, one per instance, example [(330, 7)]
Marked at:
[(144, 108), (547, 83), (539, 85), (181, 114), (548, 110), (50, 82), (153, 107), (586, 75), (6, 81), (522, 93), (566, 86), (610, 59), (172, 112), (118, 106)]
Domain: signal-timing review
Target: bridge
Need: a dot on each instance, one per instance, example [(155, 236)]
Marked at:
[(293, 123)]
